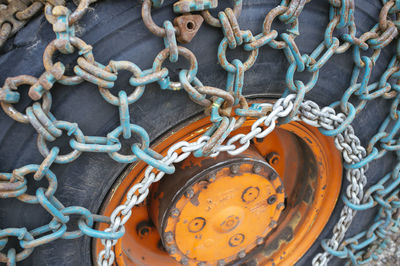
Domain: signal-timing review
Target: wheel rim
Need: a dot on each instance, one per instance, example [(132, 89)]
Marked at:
[(307, 165)]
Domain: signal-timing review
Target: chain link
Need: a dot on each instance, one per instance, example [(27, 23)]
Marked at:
[(14, 14), (334, 120)]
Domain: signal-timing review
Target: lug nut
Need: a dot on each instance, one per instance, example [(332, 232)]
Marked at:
[(171, 250), (257, 168), (174, 212), (242, 254), (169, 237), (189, 193), (143, 229), (184, 261), (235, 169), (272, 176), (273, 224), (211, 178), (273, 158)]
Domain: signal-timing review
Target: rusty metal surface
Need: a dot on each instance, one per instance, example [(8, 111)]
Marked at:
[(14, 15), (187, 25)]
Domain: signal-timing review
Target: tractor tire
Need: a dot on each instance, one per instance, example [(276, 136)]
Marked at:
[(115, 30)]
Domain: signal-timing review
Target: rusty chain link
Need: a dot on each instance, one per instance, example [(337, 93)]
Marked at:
[(14, 15)]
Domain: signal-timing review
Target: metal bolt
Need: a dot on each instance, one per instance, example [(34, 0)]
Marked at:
[(257, 168), (273, 224), (271, 200), (260, 240), (242, 254), (171, 250), (280, 206), (189, 193), (143, 229), (175, 212), (184, 261), (235, 169), (273, 158), (169, 237), (211, 178), (272, 176)]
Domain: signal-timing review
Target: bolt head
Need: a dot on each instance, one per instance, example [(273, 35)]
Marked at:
[(273, 158), (189, 193), (260, 240), (235, 169), (175, 213), (169, 237), (242, 254), (184, 261), (143, 229), (257, 168), (211, 178), (171, 250), (273, 224), (272, 177)]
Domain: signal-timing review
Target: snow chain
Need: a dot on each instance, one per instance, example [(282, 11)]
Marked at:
[(333, 120)]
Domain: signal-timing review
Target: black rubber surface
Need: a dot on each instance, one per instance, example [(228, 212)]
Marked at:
[(115, 30)]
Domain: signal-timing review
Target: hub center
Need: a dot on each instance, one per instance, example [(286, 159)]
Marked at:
[(216, 210)]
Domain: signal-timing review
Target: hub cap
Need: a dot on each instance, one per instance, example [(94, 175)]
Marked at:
[(221, 208)]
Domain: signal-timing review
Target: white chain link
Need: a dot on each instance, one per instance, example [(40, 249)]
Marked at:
[(352, 152), (346, 142)]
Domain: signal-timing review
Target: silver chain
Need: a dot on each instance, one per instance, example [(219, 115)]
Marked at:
[(352, 152), (309, 112)]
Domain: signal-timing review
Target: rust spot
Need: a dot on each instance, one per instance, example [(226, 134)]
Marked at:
[(312, 170), (285, 236), (308, 194)]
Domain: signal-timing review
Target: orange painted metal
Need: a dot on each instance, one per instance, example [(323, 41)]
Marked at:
[(310, 169), (216, 210)]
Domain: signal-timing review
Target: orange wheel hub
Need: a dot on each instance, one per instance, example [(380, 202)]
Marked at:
[(216, 210), (265, 206)]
